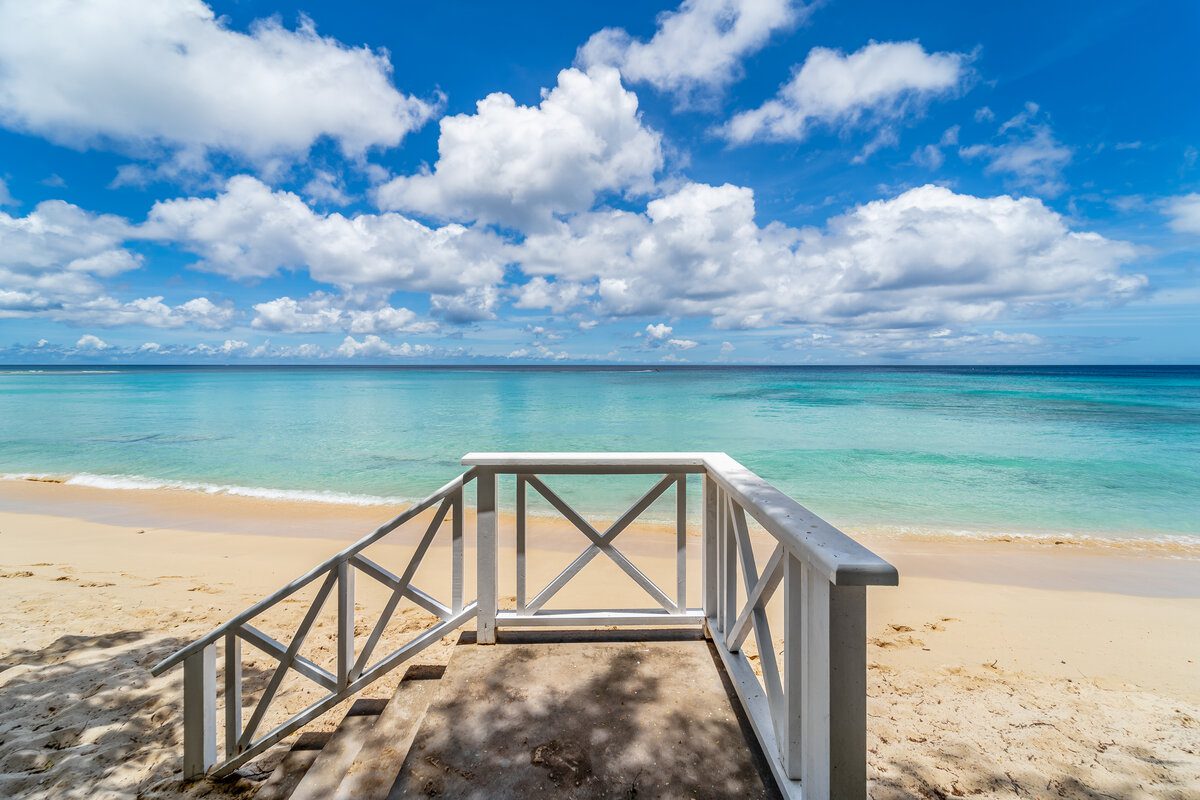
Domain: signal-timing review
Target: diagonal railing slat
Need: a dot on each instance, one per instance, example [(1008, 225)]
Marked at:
[(285, 662), (600, 542), (278, 650), (403, 584), (622, 522), (757, 598)]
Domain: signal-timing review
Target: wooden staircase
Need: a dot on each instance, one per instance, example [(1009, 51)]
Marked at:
[(362, 758), (601, 714)]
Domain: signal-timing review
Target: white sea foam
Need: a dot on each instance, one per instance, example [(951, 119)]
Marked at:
[(142, 483)]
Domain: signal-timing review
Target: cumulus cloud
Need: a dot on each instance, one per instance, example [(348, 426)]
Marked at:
[(321, 313), (91, 342), (150, 312), (1029, 156), (169, 75), (658, 334), (558, 296), (55, 255), (251, 231), (927, 257), (1184, 213), (697, 49), (373, 346), (877, 85), (519, 166), (657, 331), (473, 305), (227, 348), (539, 352)]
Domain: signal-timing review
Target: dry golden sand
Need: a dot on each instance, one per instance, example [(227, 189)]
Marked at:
[(987, 679)]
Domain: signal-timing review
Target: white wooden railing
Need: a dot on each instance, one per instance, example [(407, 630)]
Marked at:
[(355, 669), (808, 712)]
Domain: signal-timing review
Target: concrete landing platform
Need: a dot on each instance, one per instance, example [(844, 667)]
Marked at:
[(628, 714)]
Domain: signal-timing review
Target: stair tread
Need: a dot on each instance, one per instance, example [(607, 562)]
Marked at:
[(291, 768), (378, 762), (331, 764)]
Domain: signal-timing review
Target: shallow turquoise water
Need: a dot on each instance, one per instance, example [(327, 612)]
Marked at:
[(1111, 450)]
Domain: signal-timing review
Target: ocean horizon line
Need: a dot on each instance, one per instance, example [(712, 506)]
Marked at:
[(98, 366)]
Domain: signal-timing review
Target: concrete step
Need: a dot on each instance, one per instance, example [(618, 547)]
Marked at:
[(600, 714), (327, 771), (282, 781), (374, 770)]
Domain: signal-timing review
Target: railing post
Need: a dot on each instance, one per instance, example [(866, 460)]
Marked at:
[(345, 623), (485, 543), (199, 712), (681, 543), (729, 555), (830, 754), (709, 549), (233, 693), (456, 553)]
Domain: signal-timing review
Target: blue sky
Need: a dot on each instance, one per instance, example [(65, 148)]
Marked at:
[(711, 182)]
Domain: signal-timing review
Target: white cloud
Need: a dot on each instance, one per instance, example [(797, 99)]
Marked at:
[(226, 348), (658, 331), (1030, 156), (6, 198), (321, 313), (682, 344), (1184, 213), (315, 315), (91, 342), (373, 346), (169, 74), (727, 348), (55, 255), (557, 296), (521, 165), (697, 49), (147, 311), (927, 257), (906, 344), (931, 156), (326, 187), (472, 305), (251, 231), (881, 83), (539, 352)]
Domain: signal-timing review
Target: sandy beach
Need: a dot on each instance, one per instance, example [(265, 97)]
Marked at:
[(996, 669)]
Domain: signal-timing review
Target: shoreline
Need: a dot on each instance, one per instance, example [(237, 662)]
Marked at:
[(1138, 568), (107, 491)]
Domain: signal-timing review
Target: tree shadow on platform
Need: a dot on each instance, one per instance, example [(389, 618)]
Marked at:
[(618, 722)]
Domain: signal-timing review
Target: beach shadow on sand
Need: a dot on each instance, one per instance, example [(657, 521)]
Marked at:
[(82, 718)]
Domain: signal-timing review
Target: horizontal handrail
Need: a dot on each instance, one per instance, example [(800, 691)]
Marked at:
[(584, 463), (840, 558), (324, 567), (805, 535)]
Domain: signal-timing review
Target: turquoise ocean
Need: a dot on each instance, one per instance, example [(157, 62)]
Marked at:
[(1103, 451)]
